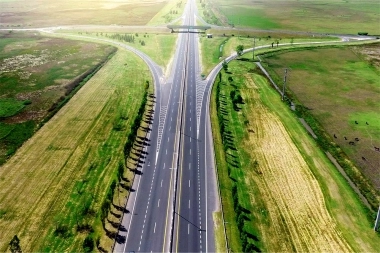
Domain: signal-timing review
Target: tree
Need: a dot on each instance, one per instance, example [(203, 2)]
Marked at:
[(88, 244), (14, 245), (239, 50), (225, 65)]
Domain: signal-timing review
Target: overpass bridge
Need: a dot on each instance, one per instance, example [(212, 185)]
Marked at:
[(189, 28)]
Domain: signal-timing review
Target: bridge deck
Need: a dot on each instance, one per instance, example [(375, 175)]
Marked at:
[(188, 27)]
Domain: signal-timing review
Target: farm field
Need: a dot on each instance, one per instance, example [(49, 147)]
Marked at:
[(325, 16), (43, 13), (37, 75), (340, 87), (279, 191), (52, 189)]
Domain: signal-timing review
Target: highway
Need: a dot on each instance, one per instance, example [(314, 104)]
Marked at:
[(175, 192)]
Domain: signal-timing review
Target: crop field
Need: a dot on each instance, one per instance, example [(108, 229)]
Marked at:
[(36, 75), (51, 190), (279, 191), (325, 16), (40, 13), (340, 87)]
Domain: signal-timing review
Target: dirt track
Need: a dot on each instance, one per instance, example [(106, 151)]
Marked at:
[(293, 198)]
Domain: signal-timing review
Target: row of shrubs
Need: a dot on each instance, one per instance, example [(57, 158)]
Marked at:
[(107, 202), (247, 239), (136, 123), (241, 217)]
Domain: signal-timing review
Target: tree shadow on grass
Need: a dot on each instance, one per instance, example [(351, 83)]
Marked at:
[(113, 224), (120, 208), (127, 187), (115, 214)]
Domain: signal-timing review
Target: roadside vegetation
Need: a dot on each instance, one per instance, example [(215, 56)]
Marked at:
[(159, 47), (172, 11), (224, 43), (38, 75), (206, 10), (324, 16), (279, 191), (58, 193), (336, 90)]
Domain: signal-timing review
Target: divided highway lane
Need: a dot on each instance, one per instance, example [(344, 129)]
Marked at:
[(150, 222), (193, 230)]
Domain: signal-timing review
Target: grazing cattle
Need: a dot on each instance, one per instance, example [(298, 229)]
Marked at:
[(345, 138), (377, 149), (335, 136), (356, 139), (356, 122), (363, 158), (351, 143)]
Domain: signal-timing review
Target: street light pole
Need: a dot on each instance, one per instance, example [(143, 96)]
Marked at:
[(228, 238), (283, 88), (253, 50)]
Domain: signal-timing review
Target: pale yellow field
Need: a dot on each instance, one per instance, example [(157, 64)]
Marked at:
[(170, 12), (298, 216), (36, 183), (25, 13)]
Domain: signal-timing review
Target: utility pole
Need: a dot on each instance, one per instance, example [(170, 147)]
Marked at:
[(283, 88), (377, 222), (253, 50), (228, 238)]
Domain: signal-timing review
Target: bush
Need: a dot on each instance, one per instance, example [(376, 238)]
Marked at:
[(88, 244), (62, 231)]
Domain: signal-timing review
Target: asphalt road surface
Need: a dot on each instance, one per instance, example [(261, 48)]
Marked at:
[(175, 191)]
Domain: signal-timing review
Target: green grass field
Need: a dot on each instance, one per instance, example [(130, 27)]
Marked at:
[(333, 16), (37, 75), (224, 44), (159, 47), (53, 188), (252, 154), (339, 86), (10, 107)]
